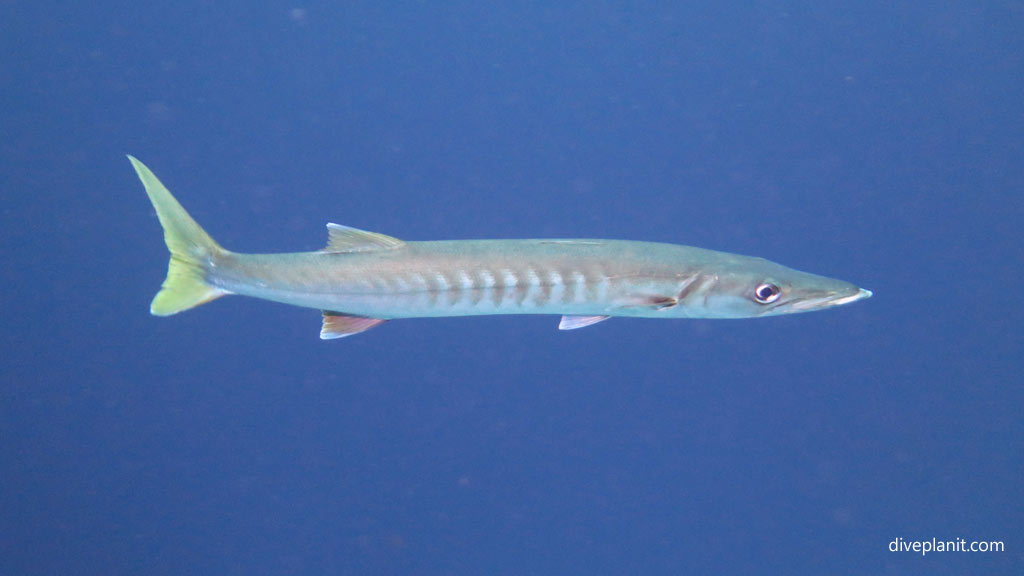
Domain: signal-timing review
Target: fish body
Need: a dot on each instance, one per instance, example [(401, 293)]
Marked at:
[(361, 279)]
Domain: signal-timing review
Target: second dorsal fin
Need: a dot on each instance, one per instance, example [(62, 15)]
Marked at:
[(348, 239)]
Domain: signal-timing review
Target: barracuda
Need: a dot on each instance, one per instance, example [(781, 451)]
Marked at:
[(362, 279)]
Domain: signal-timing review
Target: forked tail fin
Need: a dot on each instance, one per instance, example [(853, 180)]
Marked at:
[(191, 250)]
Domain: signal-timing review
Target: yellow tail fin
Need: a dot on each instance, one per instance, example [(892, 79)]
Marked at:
[(191, 250)]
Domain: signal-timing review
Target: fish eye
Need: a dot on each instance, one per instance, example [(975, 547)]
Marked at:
[(767, 293)]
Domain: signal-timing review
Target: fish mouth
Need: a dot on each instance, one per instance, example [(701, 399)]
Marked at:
[(828, 300)]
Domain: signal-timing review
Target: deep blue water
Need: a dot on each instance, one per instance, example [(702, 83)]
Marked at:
[(878, 142)]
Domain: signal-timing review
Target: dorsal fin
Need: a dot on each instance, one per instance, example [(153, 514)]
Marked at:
[(348, 239)]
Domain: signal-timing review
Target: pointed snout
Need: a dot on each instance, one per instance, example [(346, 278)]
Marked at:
[(829, 299), (861, 294)]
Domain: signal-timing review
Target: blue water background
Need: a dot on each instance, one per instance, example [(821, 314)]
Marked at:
[(879, 142)]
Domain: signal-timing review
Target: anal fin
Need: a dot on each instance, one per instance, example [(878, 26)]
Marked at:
[(338, 325), (574, 322)]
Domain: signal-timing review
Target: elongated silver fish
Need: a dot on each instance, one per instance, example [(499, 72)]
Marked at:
[(362, 279)]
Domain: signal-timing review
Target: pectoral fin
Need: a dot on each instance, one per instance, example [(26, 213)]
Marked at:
[(338, 325), (655, 301), (574, 322)]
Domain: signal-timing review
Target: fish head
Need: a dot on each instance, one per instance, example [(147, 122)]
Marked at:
[(750, 287)]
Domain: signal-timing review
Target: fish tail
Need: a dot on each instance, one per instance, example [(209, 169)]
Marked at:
[(191, 249)]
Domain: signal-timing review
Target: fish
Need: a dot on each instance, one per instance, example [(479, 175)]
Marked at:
[(363, 279)]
